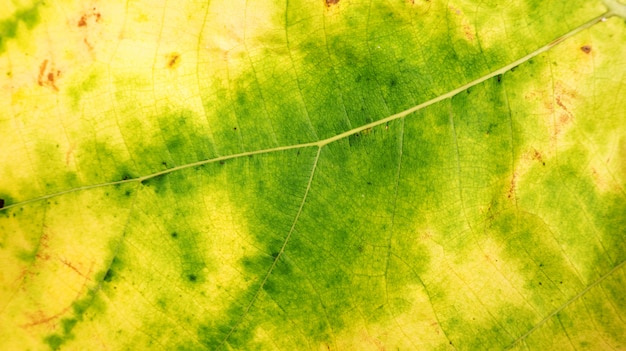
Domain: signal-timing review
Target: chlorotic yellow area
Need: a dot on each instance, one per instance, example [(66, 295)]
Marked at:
[(416, 327), (73, 39), (66, 262), (216, 239)]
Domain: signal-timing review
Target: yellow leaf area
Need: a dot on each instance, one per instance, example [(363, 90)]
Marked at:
[(327, 175)]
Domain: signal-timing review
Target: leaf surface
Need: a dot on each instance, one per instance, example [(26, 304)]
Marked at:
[(313, 175)]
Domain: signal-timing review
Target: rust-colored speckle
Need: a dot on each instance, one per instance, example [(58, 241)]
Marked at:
[(560, 103), (586, 49), (173, 60), (94, 16), (83, 21), (42, 69), (331, 2), (537, 157), (511, 191), (47, 79)]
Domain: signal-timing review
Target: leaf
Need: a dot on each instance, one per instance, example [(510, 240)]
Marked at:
[(313, 175)]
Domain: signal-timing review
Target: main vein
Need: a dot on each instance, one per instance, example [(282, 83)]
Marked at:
[(322, 143)]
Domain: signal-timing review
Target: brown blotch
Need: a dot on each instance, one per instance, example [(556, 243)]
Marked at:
[(560, 103), (96, 16), (47, 79), (512, 186), (83, 21), (173, 60), (537, 156), (42, 69), (586, 49), (331, 2)]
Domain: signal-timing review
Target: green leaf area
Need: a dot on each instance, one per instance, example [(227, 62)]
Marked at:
[(313, 175)]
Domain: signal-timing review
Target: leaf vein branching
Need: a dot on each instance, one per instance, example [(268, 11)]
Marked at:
[(565, 305), (279, 254), (324, 142)]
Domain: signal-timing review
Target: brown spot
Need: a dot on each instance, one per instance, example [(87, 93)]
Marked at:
[(586, 49), (173, 60), (537, 156), (50, 81), (560, 103), (72, 267), (563, 116), (42, 69), (47, 79), (83, 21), (89, 46), (331, 2), (511, 192)]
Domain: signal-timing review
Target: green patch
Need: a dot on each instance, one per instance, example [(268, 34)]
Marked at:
[(486, 219), (87, 85), (9, 27)]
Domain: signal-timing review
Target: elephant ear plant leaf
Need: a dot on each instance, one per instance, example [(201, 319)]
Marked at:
[(313, 175)]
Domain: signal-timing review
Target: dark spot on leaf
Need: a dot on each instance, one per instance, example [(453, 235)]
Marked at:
[(1, 203), (222, 162), (235, 128), (173, 60), (192, 277), (586, 49), (108, 276), (331, 2), (499, 78), (540, 283), (174, 235)]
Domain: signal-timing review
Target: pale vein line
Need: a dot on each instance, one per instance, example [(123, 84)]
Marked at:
[(353, 131), (566, 304), (282, 249)]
